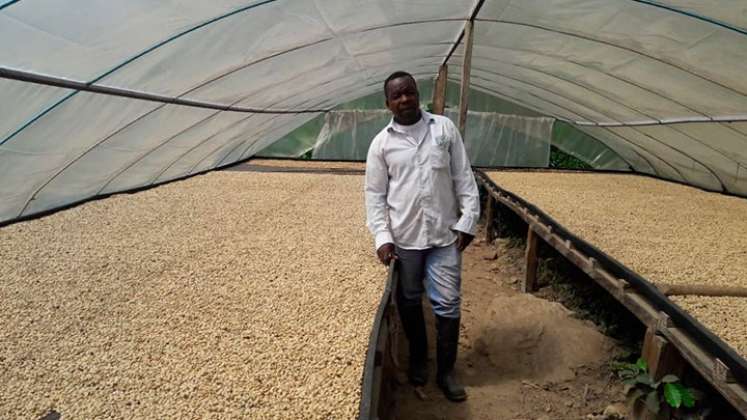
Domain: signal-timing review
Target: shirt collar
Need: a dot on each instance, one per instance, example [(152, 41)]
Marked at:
[(427, 116)]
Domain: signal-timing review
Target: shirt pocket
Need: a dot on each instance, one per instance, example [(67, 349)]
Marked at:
[(440, 157)]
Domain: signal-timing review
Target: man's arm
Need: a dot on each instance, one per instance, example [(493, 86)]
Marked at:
[(376, 187), (465, 188)]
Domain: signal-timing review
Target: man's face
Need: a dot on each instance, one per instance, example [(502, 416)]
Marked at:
[(403, 99)]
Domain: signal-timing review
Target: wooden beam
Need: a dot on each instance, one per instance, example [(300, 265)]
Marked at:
[(701, 290), (530, 279), (439, 90), (466, 68)]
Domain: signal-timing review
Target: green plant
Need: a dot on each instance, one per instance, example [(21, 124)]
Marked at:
[(307, 154), (641, 386), (561, 160)]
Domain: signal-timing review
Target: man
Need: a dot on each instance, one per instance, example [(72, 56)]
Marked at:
[(422, 206)]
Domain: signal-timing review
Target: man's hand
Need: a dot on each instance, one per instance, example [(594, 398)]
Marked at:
[(386, 253), (463, 240)]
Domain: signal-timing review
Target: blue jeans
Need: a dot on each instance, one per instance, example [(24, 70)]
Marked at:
[(437, 271)]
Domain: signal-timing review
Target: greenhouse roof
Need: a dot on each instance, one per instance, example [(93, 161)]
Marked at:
[(98, 97)]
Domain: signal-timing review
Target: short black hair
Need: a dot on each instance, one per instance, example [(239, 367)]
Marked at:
[(396, 75)]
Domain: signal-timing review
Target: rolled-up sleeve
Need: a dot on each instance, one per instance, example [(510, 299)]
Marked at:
[(464, 186), (377, 181)]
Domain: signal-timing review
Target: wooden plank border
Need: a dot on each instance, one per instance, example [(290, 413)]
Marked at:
[(378, 384), (713, 369)]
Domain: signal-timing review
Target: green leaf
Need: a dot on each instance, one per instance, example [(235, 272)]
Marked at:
[(626, 373), (688, 397), (631, 381), (652, 402), (644, 379), (634, 395), (673, 395), (625, 369), (667, 379), (642, 365), (616, 366)]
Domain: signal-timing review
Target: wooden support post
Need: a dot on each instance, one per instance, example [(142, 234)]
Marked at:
[(593, 264), (466, 68), (530, 279), (663, 321), (439, 90), (662, 359), (490, 205), (661, 356), (621, 288), (722, 373)]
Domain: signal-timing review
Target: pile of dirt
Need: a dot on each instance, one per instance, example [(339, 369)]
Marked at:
[(525, 337)]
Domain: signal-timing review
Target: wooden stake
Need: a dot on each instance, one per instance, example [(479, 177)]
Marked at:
[(530, 279), (593, 264), (662, 359), (661, 356), (722, 373), (439, 90), (466, 68), (663, 322), (621, 287), (489, 219)]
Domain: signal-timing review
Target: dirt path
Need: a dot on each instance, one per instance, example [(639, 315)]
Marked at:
[(521, 357)]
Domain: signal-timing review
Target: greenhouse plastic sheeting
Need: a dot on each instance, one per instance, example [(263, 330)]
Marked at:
[(491, 139), (299, 142), (498, 140), (348, 134), (633, 65), (586, 148), (729, 12)]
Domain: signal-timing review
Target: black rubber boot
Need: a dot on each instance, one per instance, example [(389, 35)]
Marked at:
[(446, 346), (414, 325)]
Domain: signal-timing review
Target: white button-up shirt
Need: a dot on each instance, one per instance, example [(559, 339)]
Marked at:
[(419, 191)]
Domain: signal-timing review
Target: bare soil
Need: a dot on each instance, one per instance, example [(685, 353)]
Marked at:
[(521, 357)]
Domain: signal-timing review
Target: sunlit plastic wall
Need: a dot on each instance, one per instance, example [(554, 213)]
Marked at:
[(636, 65)]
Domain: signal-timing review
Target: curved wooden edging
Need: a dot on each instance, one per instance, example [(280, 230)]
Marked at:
[(718, 362), (376, 401)]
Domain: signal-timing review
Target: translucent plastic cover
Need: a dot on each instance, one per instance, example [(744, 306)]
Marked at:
[(656, 84)]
